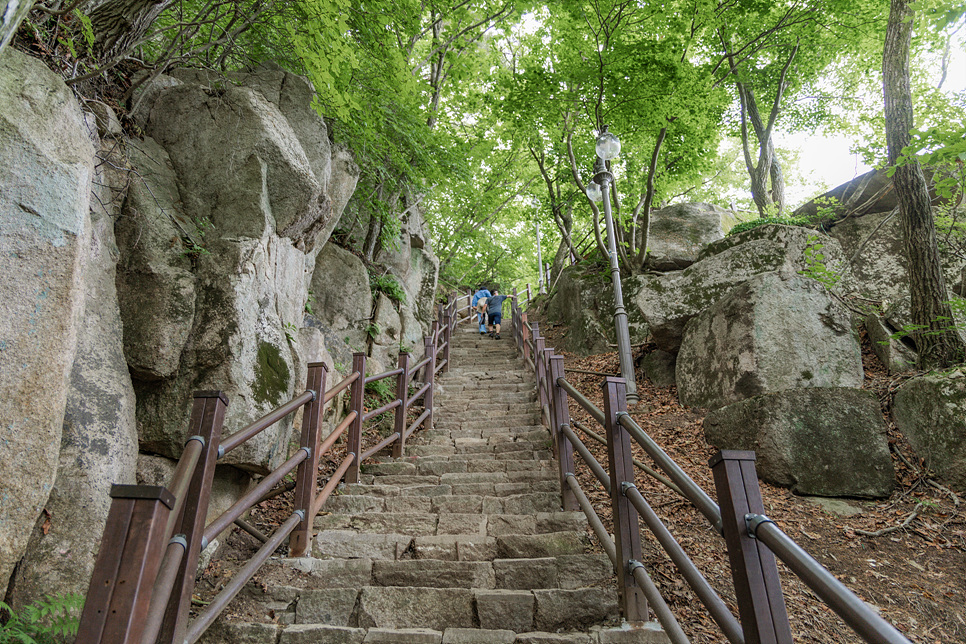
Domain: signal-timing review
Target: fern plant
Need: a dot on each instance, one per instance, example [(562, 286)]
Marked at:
[(48, 621)]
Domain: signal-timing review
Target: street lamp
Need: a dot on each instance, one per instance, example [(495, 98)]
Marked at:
[(608, 147), (536, 220)]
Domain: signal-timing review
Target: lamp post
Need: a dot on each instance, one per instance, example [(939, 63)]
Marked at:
[(608, 147), (536, 220)]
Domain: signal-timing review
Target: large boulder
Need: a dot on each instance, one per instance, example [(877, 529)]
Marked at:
[(776, 331), (931, 411), (250, 299), (99, 443), (239, 163), (893, 352), (46, 167), (679, 232), (385, 334), (156, 288), (583, 302), (817, 441), (666, 302), (340, 289)]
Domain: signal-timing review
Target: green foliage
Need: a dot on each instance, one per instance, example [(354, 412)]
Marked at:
[(48, 621), (372, 330), (944, 324), (290, 331), (310, 303), (805, 222), (816, 266), (388, 285), (382, 391)]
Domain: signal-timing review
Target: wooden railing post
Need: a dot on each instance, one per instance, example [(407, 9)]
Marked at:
[(540, 366), (761, 605), (306, 476), (207, 418), (402, 394), (563, 450), (528, 293), (429, 376), (127, 565), (356, 398), (447, 337), (536, 335), (627, 530)]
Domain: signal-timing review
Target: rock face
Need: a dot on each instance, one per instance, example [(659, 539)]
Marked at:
[(584, 303), (45, 173), (99, 442), (679, 232), (776, 331), (892, 352), (817, 441), (666, 302), (930, 411)]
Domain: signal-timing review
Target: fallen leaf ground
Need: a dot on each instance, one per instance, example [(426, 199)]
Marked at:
[(915, 574)]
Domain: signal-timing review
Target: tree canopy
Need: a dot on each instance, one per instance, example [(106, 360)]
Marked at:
[(483, 113)]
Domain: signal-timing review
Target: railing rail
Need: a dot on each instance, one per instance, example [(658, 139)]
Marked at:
[(753, 540), (145, 572)]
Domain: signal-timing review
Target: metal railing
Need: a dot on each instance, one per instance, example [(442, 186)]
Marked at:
[(753, 540), (144, 575)]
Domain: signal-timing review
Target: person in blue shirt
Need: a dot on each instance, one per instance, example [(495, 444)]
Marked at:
[(494, 311), (480, 294)]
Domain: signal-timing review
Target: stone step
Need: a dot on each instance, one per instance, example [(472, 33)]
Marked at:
[(433, 523), (439, 609), (440, 499), (451, 547), (288, 633)]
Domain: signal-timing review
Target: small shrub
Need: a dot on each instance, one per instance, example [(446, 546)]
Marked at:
[(387, 284)]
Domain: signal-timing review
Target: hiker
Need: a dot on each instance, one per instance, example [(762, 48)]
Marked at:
[(481, 294), (494, 311)]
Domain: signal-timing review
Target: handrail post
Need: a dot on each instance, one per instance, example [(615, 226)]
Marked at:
[(540, 366), (207, 418), (627, 531), (402, 391), (564, 451), (128, 561), (447, 336), (356, 396), (306, 476), (429, 377), (528, 294), (536, 334), (761, 605)]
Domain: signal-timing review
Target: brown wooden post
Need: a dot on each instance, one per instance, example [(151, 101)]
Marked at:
[(536, 334), (429, 376), (306, 476), (627, 531), (562, 447), (402, 393), (207, 417), (524, 333), (761, 605), (528, 292), (356, 399), (540, 366), (447, 339), (127, 565)]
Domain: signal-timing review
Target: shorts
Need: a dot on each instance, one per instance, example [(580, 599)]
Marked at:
[(495, 318)]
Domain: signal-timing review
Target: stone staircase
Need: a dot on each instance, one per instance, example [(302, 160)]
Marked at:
[(460, 542)]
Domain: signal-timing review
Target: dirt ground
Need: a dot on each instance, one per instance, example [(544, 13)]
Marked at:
[(906, 555)]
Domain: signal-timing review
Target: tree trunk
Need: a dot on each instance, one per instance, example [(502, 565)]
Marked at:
[(937, 340), (120, 24)]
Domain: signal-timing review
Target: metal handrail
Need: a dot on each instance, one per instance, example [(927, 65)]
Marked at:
[(637, 463), (342, 386), (419, 394), (691, 490), (263, 423), (418, 421), (375, 412), (383, 375), (392, 438), (326, 491), (587, 457), (243, 504), (698, 583), (855, 612)]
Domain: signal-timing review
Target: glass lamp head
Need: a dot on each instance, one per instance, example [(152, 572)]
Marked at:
[(593, 191), (608, 146)]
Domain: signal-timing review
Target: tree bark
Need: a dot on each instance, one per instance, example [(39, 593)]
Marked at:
[(119, 25), (937, 339)]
